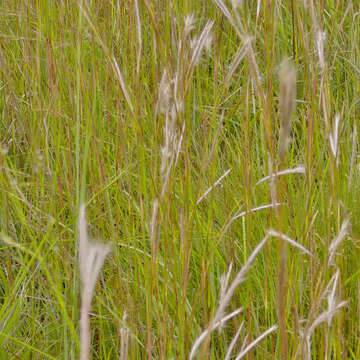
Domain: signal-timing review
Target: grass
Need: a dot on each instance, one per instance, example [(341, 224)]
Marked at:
[(163, 124)]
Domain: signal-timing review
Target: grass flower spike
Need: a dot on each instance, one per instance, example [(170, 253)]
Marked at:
[(91, 259)]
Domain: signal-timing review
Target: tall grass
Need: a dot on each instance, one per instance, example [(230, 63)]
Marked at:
[(214, 145)]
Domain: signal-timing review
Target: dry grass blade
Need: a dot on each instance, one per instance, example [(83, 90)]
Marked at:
[(327, 315), (297, 170), (91, 259), (237, 25), (258, 7), (122, 85), (239, 278), (239, 214), (213, 327), (112, 59), (227, 14), (292, 242), (242, 52), (219, 318), (217, 182), (256, 341), (233, 342), (258, 208), (333, 307)]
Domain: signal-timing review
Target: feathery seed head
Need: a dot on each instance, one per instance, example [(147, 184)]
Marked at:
[(236, 3), (91, 256), (189, 24), (164, 98), (334, 139), (320, 43)]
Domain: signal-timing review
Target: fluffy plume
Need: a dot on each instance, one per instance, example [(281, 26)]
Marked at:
[(320, 42), (163, 103), (204, 41), (337, 241), (236, 3), (287, 103), (124, 339), (334, 139), (91, 259), (189, 24)]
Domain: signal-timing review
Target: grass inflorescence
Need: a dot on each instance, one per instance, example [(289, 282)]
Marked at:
[(212, 146)]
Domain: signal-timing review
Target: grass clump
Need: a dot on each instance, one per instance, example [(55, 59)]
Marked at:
[(189, 131)]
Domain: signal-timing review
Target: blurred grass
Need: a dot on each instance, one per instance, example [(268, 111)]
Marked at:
[(67, 132)]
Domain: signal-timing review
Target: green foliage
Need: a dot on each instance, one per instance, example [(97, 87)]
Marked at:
[(69, 132)]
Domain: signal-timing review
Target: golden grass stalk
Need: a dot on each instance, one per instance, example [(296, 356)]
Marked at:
[(353, 157), (139, 36)]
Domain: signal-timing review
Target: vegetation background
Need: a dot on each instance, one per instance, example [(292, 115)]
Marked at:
[(162, 116)]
